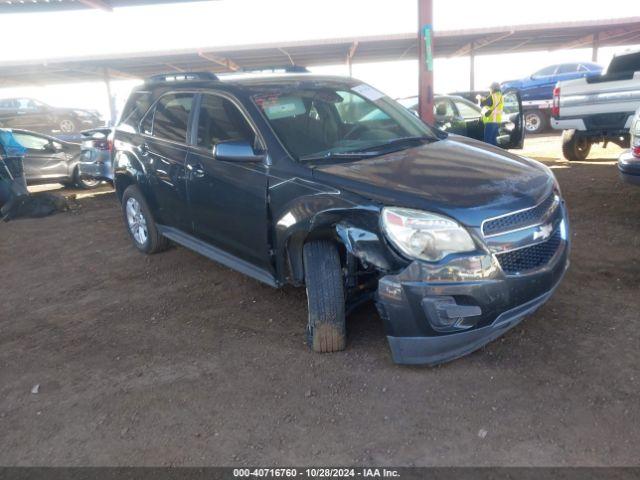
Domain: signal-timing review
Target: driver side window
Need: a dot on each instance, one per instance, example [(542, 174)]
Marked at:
[(221, 121), (32, 142)]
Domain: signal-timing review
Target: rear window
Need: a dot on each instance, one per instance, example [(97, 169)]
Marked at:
[(136, 107)]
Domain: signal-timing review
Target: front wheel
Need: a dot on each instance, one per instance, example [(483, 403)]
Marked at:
[(575, 146), (140, 224), (326, 330)]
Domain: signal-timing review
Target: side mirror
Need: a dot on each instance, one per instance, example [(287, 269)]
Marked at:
[(51, 147), (236, 151)]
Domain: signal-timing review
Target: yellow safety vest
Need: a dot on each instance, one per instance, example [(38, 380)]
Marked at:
[(495, 111)]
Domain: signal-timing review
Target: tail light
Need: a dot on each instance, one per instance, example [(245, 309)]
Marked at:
[(555, 108), (636, 151)]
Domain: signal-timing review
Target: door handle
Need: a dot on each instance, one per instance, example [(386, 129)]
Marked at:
[(197, 170)]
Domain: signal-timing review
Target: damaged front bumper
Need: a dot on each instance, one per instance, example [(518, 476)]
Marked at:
[(434, 314)]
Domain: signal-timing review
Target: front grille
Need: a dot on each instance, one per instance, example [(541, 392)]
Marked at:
[(521, 219), (530, 258)]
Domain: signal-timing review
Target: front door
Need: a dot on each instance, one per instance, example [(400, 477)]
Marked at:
[(511, 133), (228, 199), (43, 158), (164, 153)]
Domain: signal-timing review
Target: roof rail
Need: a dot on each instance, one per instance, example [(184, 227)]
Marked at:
[(278, 68), (181, 77)]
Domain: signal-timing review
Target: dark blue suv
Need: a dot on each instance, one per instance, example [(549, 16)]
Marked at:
[(328, 184)]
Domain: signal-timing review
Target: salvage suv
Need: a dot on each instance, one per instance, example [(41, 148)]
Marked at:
[(284, 179)]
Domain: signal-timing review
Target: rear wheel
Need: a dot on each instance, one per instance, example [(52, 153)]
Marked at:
[(139, 222), (534, 122), (67, 125), (86, 183), (575, 146), (326, 330)]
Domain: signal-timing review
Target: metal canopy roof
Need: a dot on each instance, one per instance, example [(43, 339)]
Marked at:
[(35, 6), (507, 39)]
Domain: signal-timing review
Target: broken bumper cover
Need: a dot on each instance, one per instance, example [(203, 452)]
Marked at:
[(434, 315)]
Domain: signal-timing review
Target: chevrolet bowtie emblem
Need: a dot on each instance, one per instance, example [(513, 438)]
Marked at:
[(543, 232)]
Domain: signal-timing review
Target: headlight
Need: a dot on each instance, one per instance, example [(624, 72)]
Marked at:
[(425, 235)]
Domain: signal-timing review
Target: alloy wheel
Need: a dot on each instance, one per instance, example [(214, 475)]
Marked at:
[(137, 221)]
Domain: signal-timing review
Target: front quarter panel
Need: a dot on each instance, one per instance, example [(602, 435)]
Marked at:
[(303, 210)]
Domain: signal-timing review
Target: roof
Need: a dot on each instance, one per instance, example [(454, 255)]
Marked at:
[(219, 58)]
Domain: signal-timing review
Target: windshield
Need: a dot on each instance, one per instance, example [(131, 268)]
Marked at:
[(322, 119)]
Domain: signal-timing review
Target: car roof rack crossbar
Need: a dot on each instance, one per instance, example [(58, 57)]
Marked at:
[(181, 77)]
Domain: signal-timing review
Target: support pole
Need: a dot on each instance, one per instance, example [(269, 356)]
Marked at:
[(472, 67), (425, 60), (112, 100), (596, 46)]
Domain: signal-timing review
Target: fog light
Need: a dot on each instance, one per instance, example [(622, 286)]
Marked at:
[(444, 314)]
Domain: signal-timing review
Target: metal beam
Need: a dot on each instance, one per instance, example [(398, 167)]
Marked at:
[(472, 67), (480, 43), (98, 4), (350, 55), (587, 40), (225, 62), (425, 60), (594, 48)]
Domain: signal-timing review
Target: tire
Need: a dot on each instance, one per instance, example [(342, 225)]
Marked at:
[(534, 122), (83, 183), (67, 125), (326, 328), (140, 224), (575, 147)]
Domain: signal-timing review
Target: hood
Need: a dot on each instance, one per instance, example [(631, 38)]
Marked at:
[(459, 177)]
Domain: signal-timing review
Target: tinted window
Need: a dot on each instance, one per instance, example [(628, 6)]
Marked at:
[(31, 142), (567, 68), (466, 109), (136, 107), (220, 121), (545, 72), (443, 108), (171, 117)]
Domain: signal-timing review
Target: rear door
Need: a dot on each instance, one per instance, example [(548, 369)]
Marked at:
[(228, 199), (44, 158), (164, 153), (511, 132)]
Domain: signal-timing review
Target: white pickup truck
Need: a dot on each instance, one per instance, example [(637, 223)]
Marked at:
[(598, 109)]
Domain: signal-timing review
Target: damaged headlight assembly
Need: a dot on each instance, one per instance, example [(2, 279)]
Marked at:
[(423, 235)]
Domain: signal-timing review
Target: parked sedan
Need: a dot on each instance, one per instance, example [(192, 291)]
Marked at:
[(629, 161), (50, 160), (35, 115), (454, 114)]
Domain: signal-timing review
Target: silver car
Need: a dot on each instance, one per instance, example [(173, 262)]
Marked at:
[(629, 161)]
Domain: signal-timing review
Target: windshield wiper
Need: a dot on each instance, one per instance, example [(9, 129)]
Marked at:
[(338, 156)]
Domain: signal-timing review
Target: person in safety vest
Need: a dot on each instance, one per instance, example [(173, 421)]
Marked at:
[(492, 108)]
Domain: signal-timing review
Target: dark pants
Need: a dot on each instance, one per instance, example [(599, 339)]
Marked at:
[(491, 133)]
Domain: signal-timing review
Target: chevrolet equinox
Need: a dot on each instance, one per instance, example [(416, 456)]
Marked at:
[(326, 183)]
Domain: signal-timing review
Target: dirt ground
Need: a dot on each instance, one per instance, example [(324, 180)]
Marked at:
[(175, 360)]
